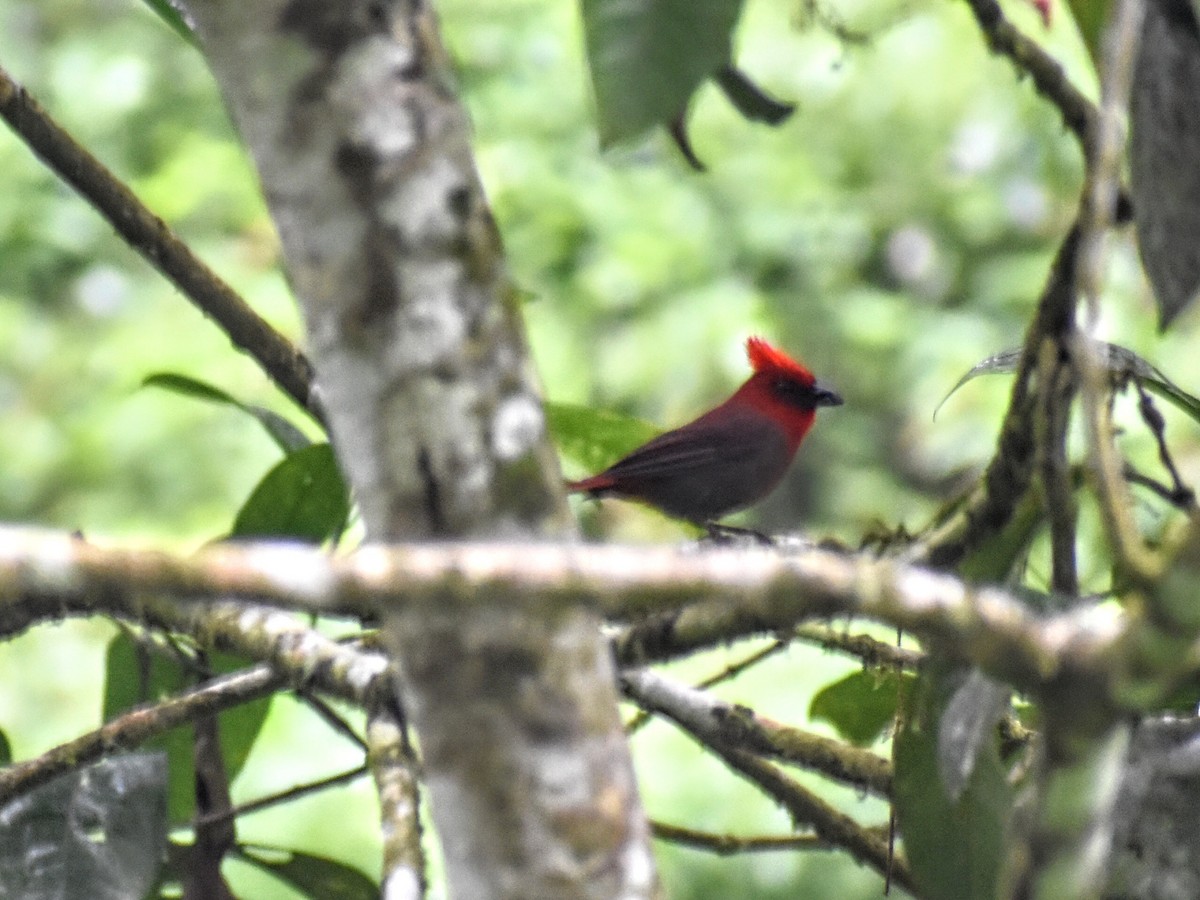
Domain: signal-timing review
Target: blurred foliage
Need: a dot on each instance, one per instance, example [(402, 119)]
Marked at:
[(892, 233)]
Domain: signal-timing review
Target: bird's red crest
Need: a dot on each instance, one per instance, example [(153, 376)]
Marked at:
[(765, 358)]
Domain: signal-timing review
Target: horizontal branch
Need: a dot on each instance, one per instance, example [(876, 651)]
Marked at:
[(756, 589)]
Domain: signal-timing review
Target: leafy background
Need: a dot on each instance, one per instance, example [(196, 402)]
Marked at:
[(892, 233)]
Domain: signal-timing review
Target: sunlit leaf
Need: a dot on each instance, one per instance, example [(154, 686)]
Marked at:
[(303, 497), (861, 706), (647, 57), (595, 438), (167, 11), (286, 435)]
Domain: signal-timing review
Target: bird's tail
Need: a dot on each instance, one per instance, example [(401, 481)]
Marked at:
[(595, 485)]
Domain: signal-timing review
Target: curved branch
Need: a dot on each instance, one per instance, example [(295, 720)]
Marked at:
[(1078, 112)]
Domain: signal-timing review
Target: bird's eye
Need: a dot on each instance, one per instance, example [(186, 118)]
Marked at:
[(793, 392)]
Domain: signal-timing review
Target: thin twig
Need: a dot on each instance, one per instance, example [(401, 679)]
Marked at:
[(1181, 495), (286, 796), (729, 844), (828, 823), (158, 244), (871, 651)]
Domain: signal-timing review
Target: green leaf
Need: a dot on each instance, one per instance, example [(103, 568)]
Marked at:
[(166, 11), (312, 876), (5, 750), (956, 848), (1164, 183), (750, 100), (647, 57), (595, 438), (1121, 363), (302, 497), (286, 435), (862, 705), (135, 676), (1090, 17)]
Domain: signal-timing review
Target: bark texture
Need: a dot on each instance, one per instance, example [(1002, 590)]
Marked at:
[(363, 150)]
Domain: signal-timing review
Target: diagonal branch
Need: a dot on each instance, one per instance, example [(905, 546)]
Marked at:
[(284, 363), (713, 721)]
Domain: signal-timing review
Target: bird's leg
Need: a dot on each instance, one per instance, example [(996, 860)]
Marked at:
[(731, 534)]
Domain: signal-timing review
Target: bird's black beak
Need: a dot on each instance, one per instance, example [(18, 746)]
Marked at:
[(823, 395)]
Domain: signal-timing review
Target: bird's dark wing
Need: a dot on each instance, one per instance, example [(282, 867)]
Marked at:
[(731, 439)]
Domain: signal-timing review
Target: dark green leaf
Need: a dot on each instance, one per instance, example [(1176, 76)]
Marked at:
[(1121, 363), (1164, 119), (750, 100), (5, 750), (91, 834), (862, 705), (286, 435), (595, 438), (955, 848), (313, 876), (303, 497), (647, 57), (169, 14)]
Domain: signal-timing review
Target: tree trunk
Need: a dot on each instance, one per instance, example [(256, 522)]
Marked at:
[(416, 336)]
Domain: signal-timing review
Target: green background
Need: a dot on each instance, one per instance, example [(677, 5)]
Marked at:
[(891, 234)]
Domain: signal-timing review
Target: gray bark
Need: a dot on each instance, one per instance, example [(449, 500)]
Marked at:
[(363, 150)]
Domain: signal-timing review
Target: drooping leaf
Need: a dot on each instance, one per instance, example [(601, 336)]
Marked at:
[(750, 100), (303, 497), (861, 706), (647, 57), (312, 876), (168, 12), (1164, 121), (93, 834), (595, 438), (286, 435), (955, 847), (1121, 363)]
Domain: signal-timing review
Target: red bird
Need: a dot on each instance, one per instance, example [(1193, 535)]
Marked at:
[(729, 458)]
